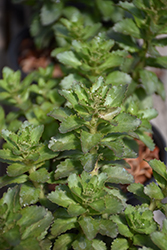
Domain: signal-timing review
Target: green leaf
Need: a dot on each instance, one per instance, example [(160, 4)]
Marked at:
[(153, 191), (68, 81), (148, 141), (121, 244), (159, 62), (64, 142), (29, 194), (138, 189), (126, 123), (82, 243), (113, 204), (91, 30), (76, 210), (114, 60), (45, 154), (89, 141), (159, 239), (116, 146), (88, 161), (62, 196), (7, 156), (12, 236), (123, 228), (159, 167), (159, 172), (62, 225), (115, 96), (6, 180), (36, 133), (70, 96), (109, 114), (89, 226), (144, 240), (140, 219), (67, 167), (149, 81), (108, 227), (128, 27), (31, 215), (50, 13), (39, 228), (98, 245), (16, 169), (117, 77), (30, 244), (64, 241), (41, 175), (118, 175), (148, 113), (60, 113), (72, 122), (68, 58), (106, 8)]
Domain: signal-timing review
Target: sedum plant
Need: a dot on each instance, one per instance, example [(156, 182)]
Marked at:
[(65, 140)]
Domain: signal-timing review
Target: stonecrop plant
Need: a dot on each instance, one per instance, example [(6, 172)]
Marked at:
[(65, 140)]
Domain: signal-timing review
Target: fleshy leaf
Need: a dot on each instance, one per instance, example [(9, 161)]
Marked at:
[(121, 244), (89, 141), (62, 196), (62, 225), (82, 243), (67, 167), (72, 122), (117, 78), (153, 191), (98, 245), (7, 156), (108, 227), (60, 113), (76, 210), (123, 228), (126, 122), (69, 58), (16, 169), (127, 27), (115, 96), (6, 180), (64, 241), (63, 142), (149, 80), (114, 60), (29, 194), (50, 13), (148, 141), (41, 175), (39, 228), (159, 167), (89, 226), (116, 146), (118, 175), (113, 204), (88, 161)]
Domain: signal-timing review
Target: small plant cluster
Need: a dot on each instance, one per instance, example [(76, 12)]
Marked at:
[(65, 140)]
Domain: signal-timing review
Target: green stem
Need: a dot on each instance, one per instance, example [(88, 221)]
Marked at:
[(37, 185), (93, 130), (152, 205)]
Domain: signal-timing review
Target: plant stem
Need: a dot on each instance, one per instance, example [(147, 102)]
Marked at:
[(152, 205), (93, 130)]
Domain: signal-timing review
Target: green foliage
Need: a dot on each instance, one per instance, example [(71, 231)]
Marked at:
[(66, 139)]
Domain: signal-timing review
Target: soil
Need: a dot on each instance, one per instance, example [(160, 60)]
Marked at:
[(140, 169)]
